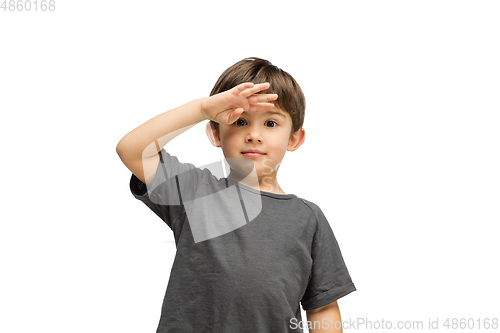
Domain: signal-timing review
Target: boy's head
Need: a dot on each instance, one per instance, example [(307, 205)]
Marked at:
[(271, 133), (290, 96)]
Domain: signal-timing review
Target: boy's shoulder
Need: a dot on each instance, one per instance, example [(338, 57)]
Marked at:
[(311, 207), (309, 204)]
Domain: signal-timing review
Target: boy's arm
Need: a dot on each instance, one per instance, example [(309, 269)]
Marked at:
[(140, 149), (327, 319)]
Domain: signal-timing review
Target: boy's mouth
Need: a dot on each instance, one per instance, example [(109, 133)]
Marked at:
[(253, 153)]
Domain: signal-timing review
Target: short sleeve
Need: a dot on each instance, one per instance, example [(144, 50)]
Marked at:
[(173, 184), (329, 279)]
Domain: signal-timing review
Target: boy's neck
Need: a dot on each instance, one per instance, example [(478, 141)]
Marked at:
[(264, 183)]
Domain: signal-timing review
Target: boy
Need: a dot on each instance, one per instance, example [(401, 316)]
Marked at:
[(247, 253)]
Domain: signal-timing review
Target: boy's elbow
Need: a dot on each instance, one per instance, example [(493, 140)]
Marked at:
[(123, 150), (121, 146)]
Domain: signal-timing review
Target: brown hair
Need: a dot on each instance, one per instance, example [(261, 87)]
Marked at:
[(290, 96)]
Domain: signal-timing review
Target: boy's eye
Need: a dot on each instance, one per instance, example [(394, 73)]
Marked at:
[(238, 122), (242, 122)]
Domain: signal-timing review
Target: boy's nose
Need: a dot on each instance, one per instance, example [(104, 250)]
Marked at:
[(253, 135)]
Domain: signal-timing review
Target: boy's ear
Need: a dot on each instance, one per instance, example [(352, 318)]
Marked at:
[(296, 139), (213, 134)]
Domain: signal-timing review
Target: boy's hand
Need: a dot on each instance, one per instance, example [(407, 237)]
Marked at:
[(226, 107)]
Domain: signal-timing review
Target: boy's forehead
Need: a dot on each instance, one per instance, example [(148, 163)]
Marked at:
[(274, 111)]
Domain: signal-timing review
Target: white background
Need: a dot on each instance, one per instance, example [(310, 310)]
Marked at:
[(401, 151)]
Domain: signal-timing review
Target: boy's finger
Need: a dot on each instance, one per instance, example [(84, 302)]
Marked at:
[(261, 98), (255, 89), (260, 107), (260, 87), (244, 86)]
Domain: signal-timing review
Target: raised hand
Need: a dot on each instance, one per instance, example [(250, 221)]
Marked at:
[(226, 107)]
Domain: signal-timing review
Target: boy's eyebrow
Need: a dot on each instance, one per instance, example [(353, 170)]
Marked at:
[(277, 112), (272, 112)]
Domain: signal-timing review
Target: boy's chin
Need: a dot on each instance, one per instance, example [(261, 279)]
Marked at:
[(242, 168)]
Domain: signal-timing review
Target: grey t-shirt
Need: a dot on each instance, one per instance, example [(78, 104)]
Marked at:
[(245, 259)]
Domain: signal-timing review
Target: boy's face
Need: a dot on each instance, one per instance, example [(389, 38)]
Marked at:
[(267, 132)]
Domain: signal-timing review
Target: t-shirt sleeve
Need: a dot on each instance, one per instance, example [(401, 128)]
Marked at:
[(174, 183), (329, 279)]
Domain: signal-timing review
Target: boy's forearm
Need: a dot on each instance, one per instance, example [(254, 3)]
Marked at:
[(148, 139)]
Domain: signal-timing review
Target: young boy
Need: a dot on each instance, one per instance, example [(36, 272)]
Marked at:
[(247, 253)]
